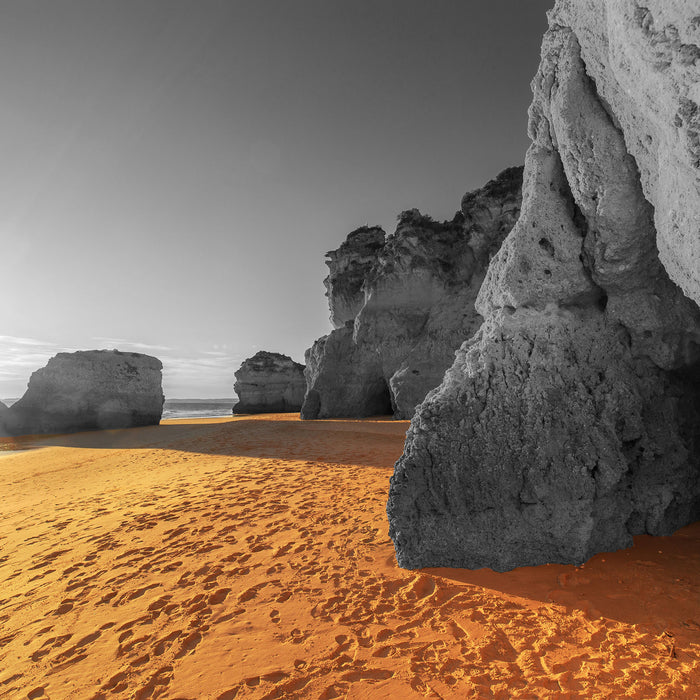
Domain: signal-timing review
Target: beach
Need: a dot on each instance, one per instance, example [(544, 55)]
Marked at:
[(248, 557)]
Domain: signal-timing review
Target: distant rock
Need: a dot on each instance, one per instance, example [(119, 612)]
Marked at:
[(401, 306), (269, 383), (571, 421), (3, 412), (89, 390), (343, 379)]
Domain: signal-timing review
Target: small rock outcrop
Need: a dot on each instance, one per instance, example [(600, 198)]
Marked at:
[(269, 383), (89, 390), (402, 305), (571, 421)]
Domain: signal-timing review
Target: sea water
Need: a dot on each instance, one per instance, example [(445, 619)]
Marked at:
[(198, 408), (186, 408)]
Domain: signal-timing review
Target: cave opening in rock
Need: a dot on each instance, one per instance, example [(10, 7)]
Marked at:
[(687, 381), (382, 401)]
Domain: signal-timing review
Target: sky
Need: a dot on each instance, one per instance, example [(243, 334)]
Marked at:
[(173, 172)]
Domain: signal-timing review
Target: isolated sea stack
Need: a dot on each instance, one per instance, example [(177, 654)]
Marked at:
[(89, 390), (571, 421), (269, 382), (401, 305)]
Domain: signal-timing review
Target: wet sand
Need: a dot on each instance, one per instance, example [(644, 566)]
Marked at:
[(249, 558)]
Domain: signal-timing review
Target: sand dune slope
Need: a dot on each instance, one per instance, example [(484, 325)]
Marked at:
[(249, 558)]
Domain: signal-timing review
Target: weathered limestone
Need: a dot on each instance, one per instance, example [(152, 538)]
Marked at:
[(414, 305), (644, 59), (343, 380), (571, 421), (269, 383), (89, 390), (348, 267)]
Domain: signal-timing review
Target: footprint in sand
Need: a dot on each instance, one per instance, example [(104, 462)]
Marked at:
[(165, 642), (162, 677), (64, 607), (160, 603), (189, 644), (219, 597), (126, 648)]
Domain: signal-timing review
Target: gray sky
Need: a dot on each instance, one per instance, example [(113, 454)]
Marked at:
[(172, 173)]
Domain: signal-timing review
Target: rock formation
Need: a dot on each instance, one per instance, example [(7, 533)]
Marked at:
[(3, 412), (402, 306), (349, 266), (571, 421), (269, 383), (89, 390)]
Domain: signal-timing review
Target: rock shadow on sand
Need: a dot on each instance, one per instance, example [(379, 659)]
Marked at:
[(242, 436)]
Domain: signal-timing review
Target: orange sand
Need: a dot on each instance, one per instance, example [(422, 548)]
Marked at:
[(249, 558)]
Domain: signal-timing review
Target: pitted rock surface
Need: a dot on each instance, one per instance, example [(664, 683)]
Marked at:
[(643, 56), (571, 421)]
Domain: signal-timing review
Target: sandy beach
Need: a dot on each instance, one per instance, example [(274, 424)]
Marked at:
[(248, 557)]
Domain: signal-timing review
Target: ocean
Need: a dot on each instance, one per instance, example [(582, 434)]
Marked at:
[(198, 408), (187, 408)]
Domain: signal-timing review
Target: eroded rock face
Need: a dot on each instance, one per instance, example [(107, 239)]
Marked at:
[(269, 382), (343, 379), (571, 421), (348, 267), (644, 58), (417, 306), (89, 390)]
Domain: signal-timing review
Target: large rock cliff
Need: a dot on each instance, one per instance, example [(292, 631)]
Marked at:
[(269, 383), (348, 266), (399, 316), (89, 390), (571, 421)]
